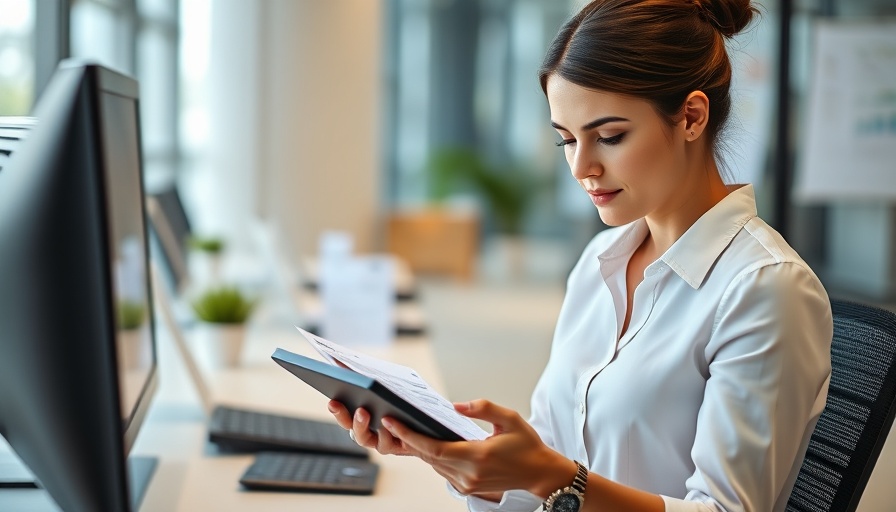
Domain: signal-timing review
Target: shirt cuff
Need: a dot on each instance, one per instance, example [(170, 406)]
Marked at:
[(512, 501)]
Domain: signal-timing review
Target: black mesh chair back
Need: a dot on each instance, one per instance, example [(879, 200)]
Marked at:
[(859, 412)]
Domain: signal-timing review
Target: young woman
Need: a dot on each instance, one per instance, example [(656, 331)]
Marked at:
[(691, 358)]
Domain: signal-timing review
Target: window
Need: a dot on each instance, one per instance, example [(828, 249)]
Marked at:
[(16, 57), (139, 38)]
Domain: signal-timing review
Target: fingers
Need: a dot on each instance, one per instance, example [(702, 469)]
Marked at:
[(420, 445), (343, 418), (361, 427), (501, 417)]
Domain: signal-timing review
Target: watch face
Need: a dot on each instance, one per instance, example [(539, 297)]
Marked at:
[(567, 502)]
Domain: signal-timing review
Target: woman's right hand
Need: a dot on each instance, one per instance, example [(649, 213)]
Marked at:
[(359, 426)]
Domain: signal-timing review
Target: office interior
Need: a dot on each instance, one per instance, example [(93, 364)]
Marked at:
[(290, 120)]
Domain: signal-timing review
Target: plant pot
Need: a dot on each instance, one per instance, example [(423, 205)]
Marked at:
[(219, 345), (206, 268)]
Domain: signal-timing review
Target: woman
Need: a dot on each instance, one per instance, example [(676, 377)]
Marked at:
[(691, 358)]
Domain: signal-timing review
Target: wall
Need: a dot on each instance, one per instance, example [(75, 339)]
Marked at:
[(293, 97)]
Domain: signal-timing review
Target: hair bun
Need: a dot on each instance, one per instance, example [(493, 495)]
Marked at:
[(729, 17)]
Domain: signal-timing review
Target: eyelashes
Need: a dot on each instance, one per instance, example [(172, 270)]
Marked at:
[(607, 141)]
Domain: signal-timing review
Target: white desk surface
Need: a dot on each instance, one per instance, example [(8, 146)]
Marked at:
[(191, 477)]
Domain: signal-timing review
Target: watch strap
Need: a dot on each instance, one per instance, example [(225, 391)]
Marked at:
[(576, 490), (581, 478)]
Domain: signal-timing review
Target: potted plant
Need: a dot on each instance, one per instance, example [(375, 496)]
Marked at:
[(507, 192), (223, 311), (131, 316)]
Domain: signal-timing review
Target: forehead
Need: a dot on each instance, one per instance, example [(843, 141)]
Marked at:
[(573, 105)]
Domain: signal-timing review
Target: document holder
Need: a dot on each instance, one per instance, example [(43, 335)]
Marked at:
[(355, 390)]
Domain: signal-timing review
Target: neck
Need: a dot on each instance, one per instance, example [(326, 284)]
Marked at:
[(697, 197)]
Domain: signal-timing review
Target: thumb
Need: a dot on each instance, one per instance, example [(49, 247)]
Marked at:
[(502, 418)]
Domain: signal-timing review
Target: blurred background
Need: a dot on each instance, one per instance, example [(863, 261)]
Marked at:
[(419, 128)]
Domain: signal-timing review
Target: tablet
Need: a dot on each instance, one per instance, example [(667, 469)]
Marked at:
[(355, 390)]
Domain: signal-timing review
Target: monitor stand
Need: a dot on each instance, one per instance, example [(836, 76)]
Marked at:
[(19, 490)]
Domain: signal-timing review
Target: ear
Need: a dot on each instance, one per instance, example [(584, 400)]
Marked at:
[(696, 115)]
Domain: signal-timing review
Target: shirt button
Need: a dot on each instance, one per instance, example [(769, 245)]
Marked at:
[(582, 407)]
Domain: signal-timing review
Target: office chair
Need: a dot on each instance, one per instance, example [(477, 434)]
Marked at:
[(859, 412)]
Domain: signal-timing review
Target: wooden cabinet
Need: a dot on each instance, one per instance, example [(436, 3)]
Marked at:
[(435, 241)]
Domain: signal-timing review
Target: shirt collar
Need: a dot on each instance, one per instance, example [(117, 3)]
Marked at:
[(695, 252)]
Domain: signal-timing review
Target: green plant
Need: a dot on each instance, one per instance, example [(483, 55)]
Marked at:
[(506, 191), (130, 314), (223, 305), (211, 245)]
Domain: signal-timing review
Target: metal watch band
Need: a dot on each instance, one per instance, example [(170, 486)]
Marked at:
[(578, 483), (574, 492)]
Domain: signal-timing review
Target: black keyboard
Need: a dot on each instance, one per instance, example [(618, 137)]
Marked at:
[(242, 430), (308, 472)]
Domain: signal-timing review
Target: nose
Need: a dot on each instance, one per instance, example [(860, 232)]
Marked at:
[(583, 163)]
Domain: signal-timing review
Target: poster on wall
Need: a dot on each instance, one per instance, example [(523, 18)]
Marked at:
[(849, 150)]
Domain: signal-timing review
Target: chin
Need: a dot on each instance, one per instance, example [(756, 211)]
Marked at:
[(614, 219)]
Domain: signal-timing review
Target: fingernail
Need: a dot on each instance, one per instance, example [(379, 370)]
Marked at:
[(331, 407), (462, 406), (388, 424), (359, 416)]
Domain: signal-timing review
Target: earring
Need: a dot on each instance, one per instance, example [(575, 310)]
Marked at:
[(692, 133)]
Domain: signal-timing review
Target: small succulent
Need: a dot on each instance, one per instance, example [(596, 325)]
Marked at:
[(211, 245), (130, 314), (223, 305)]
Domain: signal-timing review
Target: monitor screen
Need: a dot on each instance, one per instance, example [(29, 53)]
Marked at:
[(77, 358), (127, 249)]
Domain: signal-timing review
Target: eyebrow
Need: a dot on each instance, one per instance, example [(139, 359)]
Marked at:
[(593, 124)]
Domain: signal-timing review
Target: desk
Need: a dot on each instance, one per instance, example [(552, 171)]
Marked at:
[(191, 477)]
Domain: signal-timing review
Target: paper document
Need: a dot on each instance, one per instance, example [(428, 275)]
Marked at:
[(402, 381)]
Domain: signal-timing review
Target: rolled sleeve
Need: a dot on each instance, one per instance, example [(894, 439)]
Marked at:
[(512, 501)]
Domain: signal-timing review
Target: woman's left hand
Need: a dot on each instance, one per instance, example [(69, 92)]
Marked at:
[(513, 457)]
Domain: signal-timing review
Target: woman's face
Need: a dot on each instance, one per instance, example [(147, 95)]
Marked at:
[(627, 157)]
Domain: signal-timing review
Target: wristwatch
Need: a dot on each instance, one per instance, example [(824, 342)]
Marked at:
[(570, 498)]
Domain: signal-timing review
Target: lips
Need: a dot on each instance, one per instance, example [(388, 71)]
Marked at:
[(602, 197)]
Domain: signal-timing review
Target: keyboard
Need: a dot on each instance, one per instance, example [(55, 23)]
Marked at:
[(309, 472), (243, 430)]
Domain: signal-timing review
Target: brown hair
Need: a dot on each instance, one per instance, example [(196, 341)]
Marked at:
[(657, 50)]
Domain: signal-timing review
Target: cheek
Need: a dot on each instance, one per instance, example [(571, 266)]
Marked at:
[(647, 159)]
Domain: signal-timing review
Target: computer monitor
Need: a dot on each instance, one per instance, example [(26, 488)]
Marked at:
[(77, 341), (13, 131), (170, 232), (165, 249)]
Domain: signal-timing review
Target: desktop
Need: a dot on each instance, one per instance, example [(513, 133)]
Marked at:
[(77, 355), (232, 429)]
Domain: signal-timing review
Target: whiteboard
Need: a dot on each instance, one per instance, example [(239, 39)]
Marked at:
[(849, 150)]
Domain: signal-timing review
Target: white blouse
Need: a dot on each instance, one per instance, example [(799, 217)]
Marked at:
[(711, 395)]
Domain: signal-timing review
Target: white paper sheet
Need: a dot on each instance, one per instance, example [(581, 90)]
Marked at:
[(850, 146), (401, 380)]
